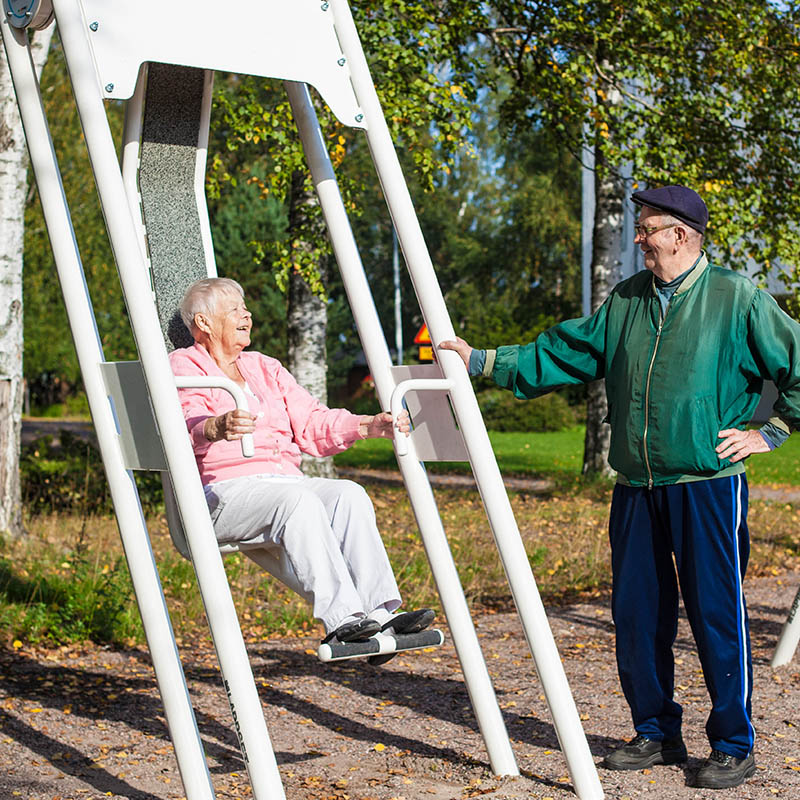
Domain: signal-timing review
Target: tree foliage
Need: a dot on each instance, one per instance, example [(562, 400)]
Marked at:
[(51, 366), (710, 97), (502, 224), (704, 94), (425, 83), (500, 212), (511, 245)]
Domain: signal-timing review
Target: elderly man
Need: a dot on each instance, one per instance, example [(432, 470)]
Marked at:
[(326, 527), (684, 348)]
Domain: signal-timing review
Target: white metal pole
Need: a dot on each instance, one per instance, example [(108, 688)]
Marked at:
[(484, 465), (131, 133), (200, 173), (465, 640), (132, 526), (790, 636), (238, 677), (398, 301)]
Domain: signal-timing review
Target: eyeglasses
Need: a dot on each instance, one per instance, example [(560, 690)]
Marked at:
[(648, 230)]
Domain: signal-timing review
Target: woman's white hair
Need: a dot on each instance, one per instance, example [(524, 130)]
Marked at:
[(201, 297)]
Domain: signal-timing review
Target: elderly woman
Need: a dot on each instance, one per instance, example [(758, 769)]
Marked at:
[(326, 527)]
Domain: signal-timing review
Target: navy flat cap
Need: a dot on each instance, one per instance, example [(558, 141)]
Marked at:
[(679, 201)]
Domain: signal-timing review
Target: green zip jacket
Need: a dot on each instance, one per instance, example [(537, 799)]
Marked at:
[(672, 382)]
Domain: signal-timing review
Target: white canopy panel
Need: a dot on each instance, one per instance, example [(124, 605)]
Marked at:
[(285, 39)]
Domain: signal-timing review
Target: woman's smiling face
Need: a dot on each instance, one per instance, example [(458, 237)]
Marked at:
[(230, 324)]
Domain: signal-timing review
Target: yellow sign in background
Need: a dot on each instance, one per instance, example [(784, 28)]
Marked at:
[(423, 337)]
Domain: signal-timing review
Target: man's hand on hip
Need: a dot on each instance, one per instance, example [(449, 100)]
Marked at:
[(737, 444)]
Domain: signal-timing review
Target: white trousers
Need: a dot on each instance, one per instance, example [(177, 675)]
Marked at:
[(327, 529)]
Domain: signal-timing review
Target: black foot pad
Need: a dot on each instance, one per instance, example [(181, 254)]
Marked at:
[(379, 644)]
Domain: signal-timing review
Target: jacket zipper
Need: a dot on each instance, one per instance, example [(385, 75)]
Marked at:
[(647, 399)]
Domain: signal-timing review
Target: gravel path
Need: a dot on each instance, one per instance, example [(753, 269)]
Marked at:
[(87, 723)]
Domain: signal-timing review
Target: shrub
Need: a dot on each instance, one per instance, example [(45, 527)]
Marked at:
[(66, 474), (74, 405), (70, 598), (505, 413), (363, 403)]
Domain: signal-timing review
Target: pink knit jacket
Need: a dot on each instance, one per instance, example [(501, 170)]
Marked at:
[(290, 421)]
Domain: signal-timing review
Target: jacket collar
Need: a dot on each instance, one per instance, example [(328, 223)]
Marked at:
[(697, 270), (694, 275)]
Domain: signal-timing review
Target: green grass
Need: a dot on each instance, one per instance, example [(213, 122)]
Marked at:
[(556, 454), (59, 594), (559, 456), (781, 466), (67, 581)]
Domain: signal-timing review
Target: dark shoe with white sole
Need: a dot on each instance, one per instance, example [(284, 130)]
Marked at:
[(641, 752), (722, 771), (408, 622), (357, 631)]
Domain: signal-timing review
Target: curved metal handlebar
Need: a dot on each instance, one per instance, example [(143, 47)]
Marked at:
[(233, 389), (396, 403)]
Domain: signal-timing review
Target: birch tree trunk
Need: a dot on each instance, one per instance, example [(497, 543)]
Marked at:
[(13, 189), (307, 323), (606, 272)]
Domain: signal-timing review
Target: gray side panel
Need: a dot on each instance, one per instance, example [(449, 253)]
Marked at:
[(436, 436), (170, 131), (139, 439)]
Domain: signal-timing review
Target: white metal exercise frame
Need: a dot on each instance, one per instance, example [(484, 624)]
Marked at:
[(790, 636), (302, 42)]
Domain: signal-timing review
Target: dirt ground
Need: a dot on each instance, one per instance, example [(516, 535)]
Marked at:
[(84, 724)]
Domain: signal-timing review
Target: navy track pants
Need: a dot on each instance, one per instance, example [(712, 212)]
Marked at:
[(704, 524)]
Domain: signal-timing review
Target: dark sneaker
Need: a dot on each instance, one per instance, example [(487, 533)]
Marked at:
[(641, 752), (410, 621), (722, 771), (357, 631)]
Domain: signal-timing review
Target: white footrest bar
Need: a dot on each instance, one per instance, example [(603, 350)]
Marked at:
[(379, 644)]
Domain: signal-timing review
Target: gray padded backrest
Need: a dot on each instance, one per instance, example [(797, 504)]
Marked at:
[(170, 132)]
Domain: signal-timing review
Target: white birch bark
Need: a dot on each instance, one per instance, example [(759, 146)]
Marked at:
[(606, 272), (13, 189)]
